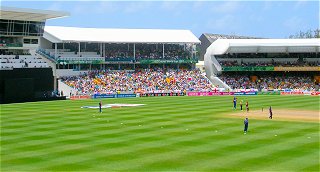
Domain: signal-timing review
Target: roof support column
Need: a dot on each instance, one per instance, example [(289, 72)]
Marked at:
[(134, 52), (63, 45), (104, 50), (55, 50), (79, 51), (163, 51), (101, 55)]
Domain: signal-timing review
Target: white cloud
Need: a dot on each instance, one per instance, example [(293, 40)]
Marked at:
[(256, 18), (106, 7), (134, 7), (299, 4), (79, 9), (56, 6), (226, 22), (226, 7), (294, 23), (171, 5), (267, 5), (198, 4)]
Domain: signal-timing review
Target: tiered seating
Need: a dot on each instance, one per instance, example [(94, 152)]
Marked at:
[(124, 53), (66, 54), (270, 63), (301, 82), (21, 61), (143, 81)]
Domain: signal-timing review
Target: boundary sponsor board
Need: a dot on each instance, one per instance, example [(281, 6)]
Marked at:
[(125, 95), (245, 93), (305, 93), (269, 93), (160, 94), (191, 93), (221, 93), (80, 97), (98, 96), (292, 93)]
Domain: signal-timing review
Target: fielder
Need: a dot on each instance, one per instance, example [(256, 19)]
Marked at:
[(246, 125), (247, 106), (100, 107), (270, 112), (234, 103)]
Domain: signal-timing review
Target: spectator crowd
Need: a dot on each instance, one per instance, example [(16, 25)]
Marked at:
[(270, 82), (139, 81), (272, 63)]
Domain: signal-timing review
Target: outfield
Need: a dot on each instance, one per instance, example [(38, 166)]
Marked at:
[(168, 133)]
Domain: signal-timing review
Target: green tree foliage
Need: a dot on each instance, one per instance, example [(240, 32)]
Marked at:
[(307, 34)]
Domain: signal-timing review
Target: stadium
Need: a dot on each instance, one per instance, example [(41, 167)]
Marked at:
[(102, 99)]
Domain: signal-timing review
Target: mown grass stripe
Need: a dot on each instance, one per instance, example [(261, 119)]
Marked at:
[(168, 133)]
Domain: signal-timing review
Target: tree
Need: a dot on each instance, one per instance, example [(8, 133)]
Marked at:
[(307, 34)]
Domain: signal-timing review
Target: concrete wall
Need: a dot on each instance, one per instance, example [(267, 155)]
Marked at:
[(205, 43), (45, 44), (68, 72)]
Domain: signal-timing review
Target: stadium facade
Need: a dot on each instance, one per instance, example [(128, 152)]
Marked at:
[(208, 38), (262, 55), (24, 76), (28, 45)]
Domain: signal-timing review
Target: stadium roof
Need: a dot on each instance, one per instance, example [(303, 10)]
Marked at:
[(213, 37), (57, 34), (12, 13), (224, 46)]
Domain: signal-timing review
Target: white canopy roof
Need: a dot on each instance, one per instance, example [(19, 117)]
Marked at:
[(223, 46), (57, 34), (12, 13)]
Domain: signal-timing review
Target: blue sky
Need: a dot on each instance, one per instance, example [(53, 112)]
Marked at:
[(270, 19)]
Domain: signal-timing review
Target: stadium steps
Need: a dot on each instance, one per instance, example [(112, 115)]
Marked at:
[(212, 69), (66, 89), (49, 62)]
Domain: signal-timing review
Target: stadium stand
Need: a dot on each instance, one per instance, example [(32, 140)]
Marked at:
[(140, 81), (21, 61), (24, 76), (264, 64), (266, 82)]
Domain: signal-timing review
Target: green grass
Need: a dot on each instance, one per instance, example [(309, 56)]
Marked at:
[(168, 133)]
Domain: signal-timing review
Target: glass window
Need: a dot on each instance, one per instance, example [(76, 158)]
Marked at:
[(26, 41), (18, 27), (3, 26), (33, 28), (34, 41)]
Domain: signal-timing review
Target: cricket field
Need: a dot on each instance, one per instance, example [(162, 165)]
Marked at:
[(166, 134)]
